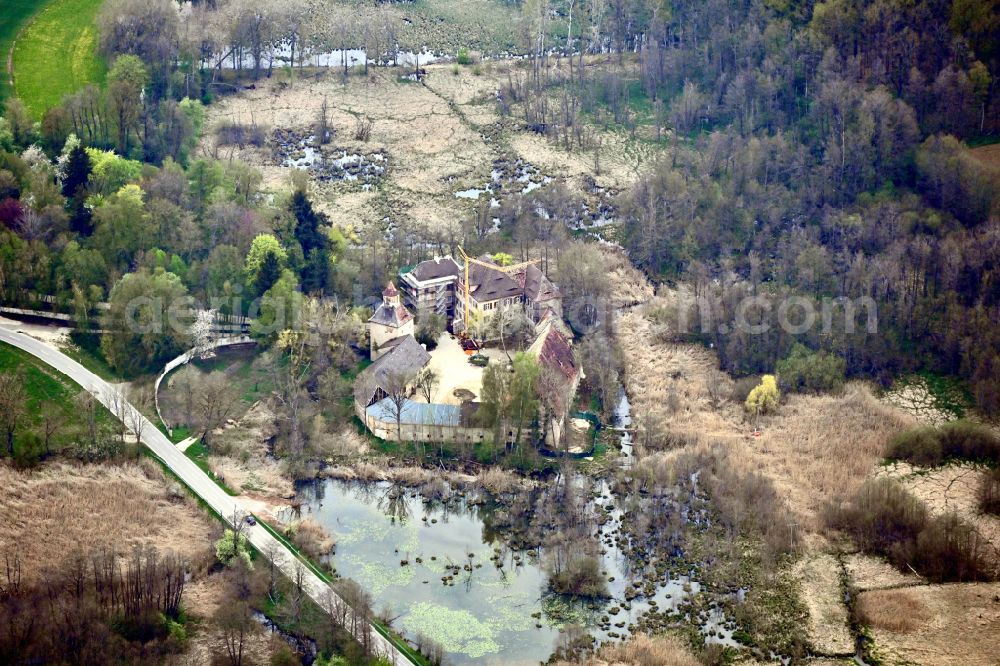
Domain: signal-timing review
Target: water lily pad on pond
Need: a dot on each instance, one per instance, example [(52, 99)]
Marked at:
[(457, 631)]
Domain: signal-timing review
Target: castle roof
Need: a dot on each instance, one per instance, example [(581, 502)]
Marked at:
[(405, 358), (434, 269), (555, 352), (390, 314)]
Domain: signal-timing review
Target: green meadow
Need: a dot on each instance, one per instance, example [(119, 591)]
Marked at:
[(56, 54), (14, 14)]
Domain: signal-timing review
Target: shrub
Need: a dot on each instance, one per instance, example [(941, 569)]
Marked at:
[(989, 492), (808, 371), (464, 57), (742, 388), (764, 398), (885, 519), (237, 134), (580, 577), (957, 440), (227, 550)]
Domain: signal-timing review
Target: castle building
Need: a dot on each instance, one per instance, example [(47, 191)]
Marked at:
[(438, 286), (391, 321), (429, 287)]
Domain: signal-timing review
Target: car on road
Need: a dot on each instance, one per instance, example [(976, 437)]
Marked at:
[(251, 521)]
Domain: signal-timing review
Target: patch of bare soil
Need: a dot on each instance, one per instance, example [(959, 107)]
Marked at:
[(988, 155), (54, 336), (242, 460), (209, 647), (50, 514), (916, 399), (829, 630), (946, 624)]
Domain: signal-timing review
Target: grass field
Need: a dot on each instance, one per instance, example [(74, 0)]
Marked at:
[(45, 388), (57, 53), (48, 393), (12, 17)]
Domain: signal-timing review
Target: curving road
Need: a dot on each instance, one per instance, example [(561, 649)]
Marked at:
[(199, 482)]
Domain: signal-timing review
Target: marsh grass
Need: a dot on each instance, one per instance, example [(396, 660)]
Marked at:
[(642, 650), (61, 509), (899, 611)]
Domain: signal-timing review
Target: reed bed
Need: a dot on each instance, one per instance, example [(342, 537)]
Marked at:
[(48, 515)]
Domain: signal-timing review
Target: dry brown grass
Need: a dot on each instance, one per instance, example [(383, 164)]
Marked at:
[(434, 134), (961, 625), (498, 481), (61, 509), (819, 579), (642, 650), (899, 611), (312, 538), (629, 285), (821, 448), (867, 572), (816, 449), (669, 383), (432, 152)]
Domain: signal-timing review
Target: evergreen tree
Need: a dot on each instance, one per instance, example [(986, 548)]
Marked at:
[(315, 271), (80, 216), (269, 273), (78, 170), (307, 223)]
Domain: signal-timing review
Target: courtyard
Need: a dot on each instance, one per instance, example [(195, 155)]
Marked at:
[(451, 365)]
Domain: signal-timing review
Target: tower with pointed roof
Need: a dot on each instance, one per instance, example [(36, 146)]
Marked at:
[(390, 323)]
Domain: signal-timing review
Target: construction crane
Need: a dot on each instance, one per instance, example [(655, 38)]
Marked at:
[(513, 268)]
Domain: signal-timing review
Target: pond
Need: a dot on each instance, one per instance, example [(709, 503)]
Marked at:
[(445, 575), (332, 58), (328, 163)]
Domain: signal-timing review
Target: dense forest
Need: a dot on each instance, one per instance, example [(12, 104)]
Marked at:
[(823, 157)]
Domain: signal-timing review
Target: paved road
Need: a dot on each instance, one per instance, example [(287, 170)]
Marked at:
[(196, 479)]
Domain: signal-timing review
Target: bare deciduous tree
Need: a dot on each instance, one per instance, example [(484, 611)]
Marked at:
[(13, 406), (237, 625), (214, 398), (426, 383), (397, 394)]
